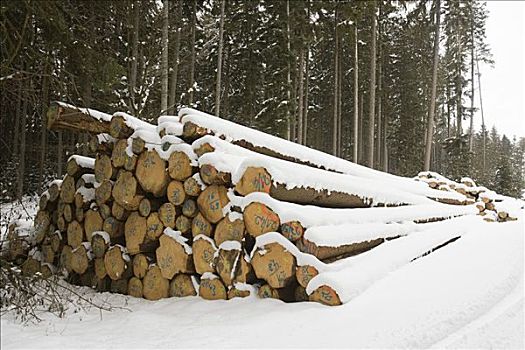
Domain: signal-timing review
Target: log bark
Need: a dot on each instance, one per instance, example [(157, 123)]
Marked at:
[(260, 219), (325, 295), (118, 156), (103, 167), (60, 117), (292, 230), (183, 224), (179, 166), (135, 287), (211, 203), (212, 288), (328, 252), (204, 255), (182, 286), (80, 259), (172, 257), (103, 192), (151, 173), (192, 187), (228, 230), (155, 286), (211, 176), (75, 234), (189, 208), (140, 265), (67, 189), (135, 232), (226, 264), (154, 226), (257, 179), (100, 268), (41, 225), (125, 191), (275, 265), (77, 166), (114, 227), (99, 246), (175, 192), (167, 215), (304, 274), (65, 258), (201, 226), (92, 222), (116, 263)]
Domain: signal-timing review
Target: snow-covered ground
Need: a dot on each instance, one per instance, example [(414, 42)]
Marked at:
[(468, 294)]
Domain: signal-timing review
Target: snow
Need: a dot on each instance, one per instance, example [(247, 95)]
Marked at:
[(235, 160), (355, 274), (88, 178), (179, 238), (230, 245), (88, 194), (207, 239), (233, 132), (309, 215), (338, 235), (92, 112), (102, 234), (84, 162), (180, 147), (209, 276), (135, 123), (465, 295), (301, 258)]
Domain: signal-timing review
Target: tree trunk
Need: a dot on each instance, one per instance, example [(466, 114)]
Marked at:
[(192, 43), (371, 111), (301, 100), (21, 164), (356, 98), (471, 129), (307, 84), (175, 70), (164, 67), (134, 57), (432, 107), (483, 130), (219, 62), (43, 136), (335, 126), (288, 76)]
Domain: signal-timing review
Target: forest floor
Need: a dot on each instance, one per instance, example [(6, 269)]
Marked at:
[(469, 294)]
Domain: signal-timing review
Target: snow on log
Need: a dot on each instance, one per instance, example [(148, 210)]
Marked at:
[(63, 116), (197, 124), (78, 165)]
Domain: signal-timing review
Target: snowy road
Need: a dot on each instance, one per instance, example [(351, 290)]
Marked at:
[(467, 294)]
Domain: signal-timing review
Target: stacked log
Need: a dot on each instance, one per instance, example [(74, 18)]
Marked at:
[(176, 210)]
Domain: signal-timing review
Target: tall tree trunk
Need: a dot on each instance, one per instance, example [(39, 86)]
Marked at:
[(172, 100), (471, 129), (372, 111), (449, 110), (288, 75), (432, 107), (385, 143), (134, 57), (361, 145), (336, 81), (164, 62), (192, 64), (43, 135), (226, 100), (307, 84), (356, 98), (219, 62), (16, 133), (301, 99), (483, 129), (60, 154), (22, 158), (379, 147), (339, 99)]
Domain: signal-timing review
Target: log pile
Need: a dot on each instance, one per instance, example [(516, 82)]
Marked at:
[(486, 201), (180, 209)]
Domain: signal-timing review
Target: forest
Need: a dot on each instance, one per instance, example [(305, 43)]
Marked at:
[(387, 84)]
